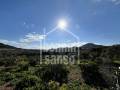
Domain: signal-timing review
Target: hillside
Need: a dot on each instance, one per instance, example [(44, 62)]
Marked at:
[(21, 69), (90, 46), (4, 46)]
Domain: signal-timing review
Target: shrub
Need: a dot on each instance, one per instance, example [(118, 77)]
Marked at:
[(52, 85)]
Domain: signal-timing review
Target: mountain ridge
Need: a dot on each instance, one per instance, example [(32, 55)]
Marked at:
[(85, 46), (6, 46)]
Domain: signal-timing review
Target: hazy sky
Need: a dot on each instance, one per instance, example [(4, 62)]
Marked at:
[(24, 21)]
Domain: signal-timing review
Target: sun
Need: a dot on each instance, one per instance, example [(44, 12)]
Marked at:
[(62, 24)]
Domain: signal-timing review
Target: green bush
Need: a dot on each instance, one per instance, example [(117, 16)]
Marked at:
[(64, 87), (52, 85), (52, 72), (27, 81), (7, 76)]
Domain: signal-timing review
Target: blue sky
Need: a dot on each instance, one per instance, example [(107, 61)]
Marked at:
[(22, 22)]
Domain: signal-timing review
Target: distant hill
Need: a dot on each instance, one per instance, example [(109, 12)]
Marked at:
[(90, 46), (4, 46)]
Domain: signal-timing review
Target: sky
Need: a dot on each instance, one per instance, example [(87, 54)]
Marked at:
[(24, 23)]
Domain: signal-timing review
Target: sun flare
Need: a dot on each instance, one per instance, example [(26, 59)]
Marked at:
[(62, 24)]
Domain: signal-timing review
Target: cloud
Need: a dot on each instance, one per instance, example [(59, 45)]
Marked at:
[(40, 46), (28, 41), (62, 45), (12, 43), (32, 41), (115, 2), (32, 37)]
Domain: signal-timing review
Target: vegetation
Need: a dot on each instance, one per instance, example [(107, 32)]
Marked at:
[(21, 70)]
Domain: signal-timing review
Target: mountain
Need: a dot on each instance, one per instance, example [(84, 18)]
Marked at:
[(4, 46), (90, 46)]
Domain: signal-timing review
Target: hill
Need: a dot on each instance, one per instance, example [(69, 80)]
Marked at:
[(4, 46), (90, 46)]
